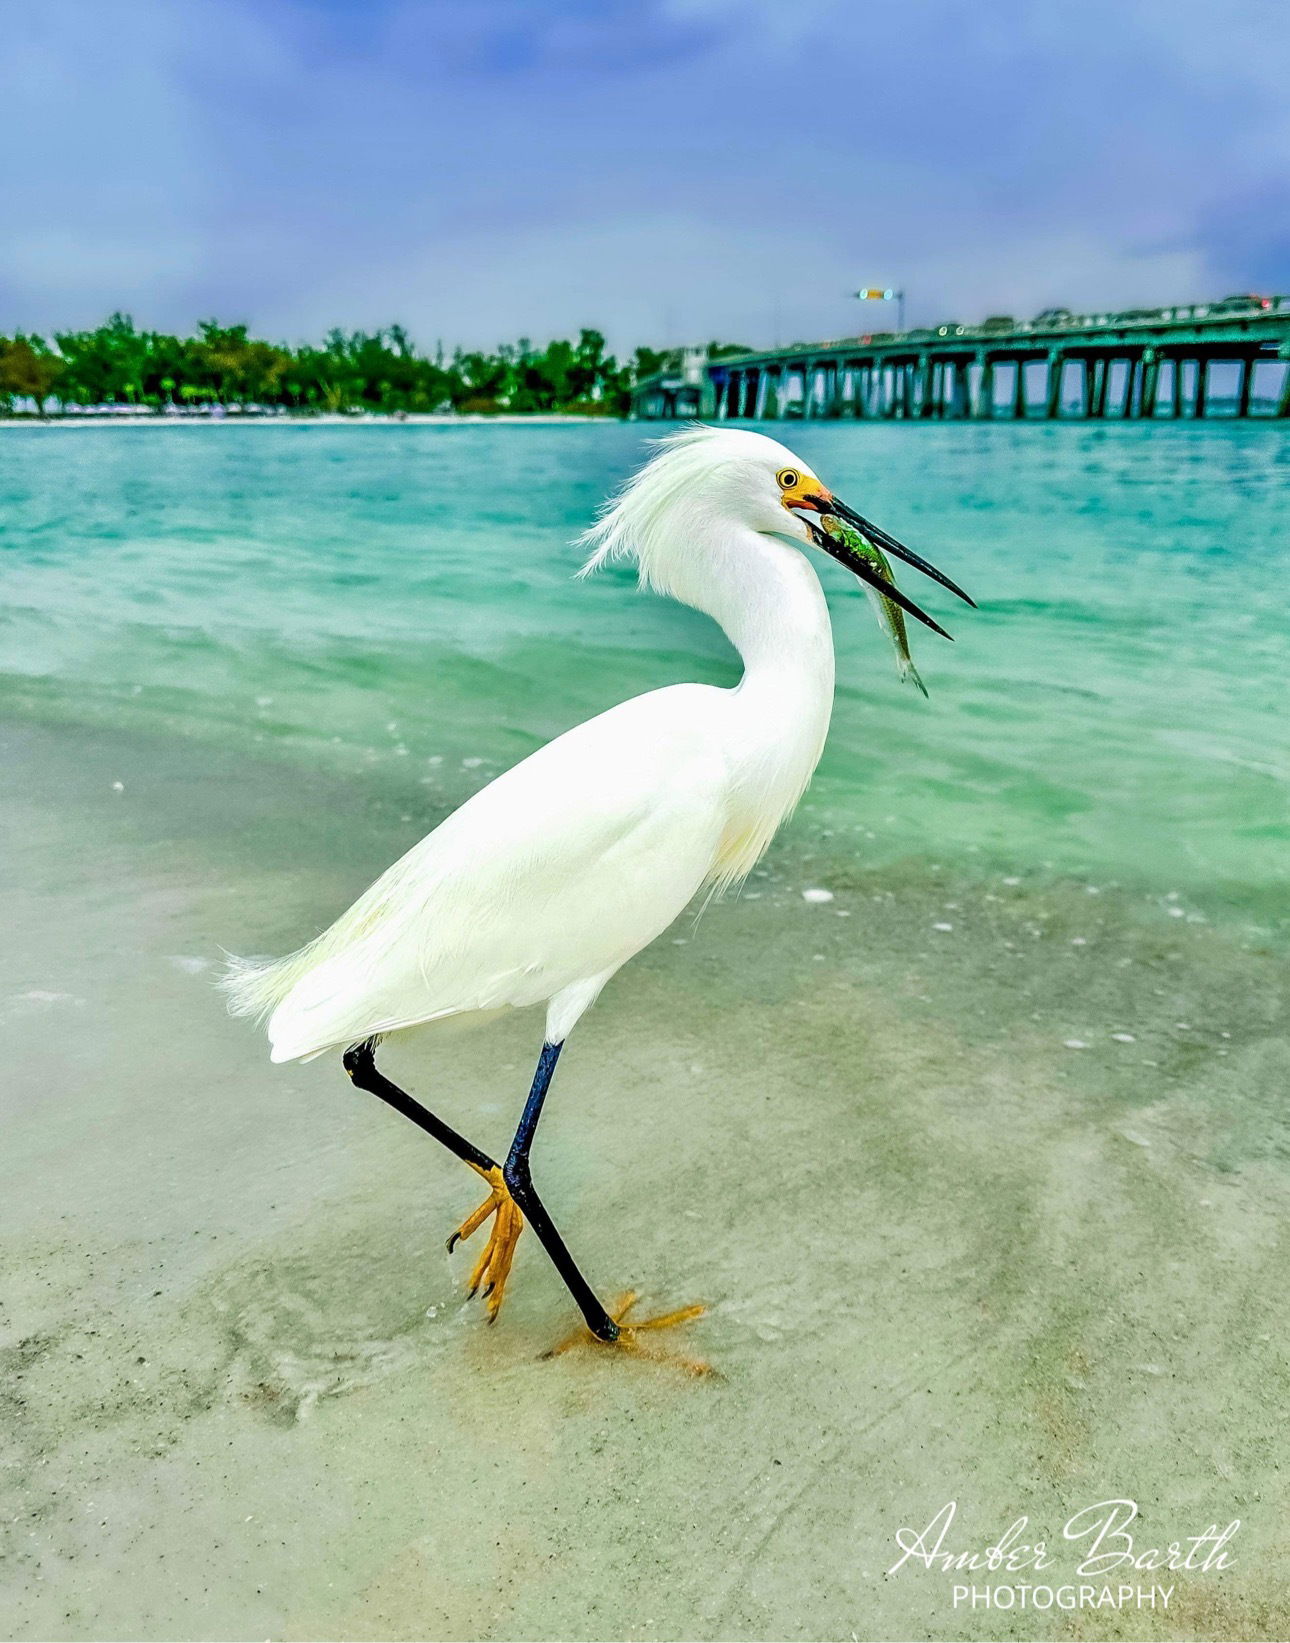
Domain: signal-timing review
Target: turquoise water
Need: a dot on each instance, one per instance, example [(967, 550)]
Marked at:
[(398, 600)]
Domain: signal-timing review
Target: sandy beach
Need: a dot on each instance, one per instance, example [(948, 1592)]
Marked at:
[(948, 1257)]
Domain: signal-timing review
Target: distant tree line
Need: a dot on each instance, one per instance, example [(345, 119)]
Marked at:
[(222, 365)]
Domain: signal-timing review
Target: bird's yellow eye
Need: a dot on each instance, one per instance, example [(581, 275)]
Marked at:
[(787, 477)]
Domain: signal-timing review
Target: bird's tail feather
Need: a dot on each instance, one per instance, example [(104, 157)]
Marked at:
[(256, 987)]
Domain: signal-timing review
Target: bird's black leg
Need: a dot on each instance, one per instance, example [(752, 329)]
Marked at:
[(494, 1265), (511, 1200), (360, 1063), (516, 1174)]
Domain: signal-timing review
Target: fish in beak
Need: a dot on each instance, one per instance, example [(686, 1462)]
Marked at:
[(830, 533), (805, 495)]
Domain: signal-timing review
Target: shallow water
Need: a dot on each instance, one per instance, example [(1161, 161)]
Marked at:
[(375, 594), (983, 1165)]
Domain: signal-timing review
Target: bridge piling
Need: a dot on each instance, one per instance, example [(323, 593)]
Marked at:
[(960, 390), (1131, 382), (925, 385), (1244, 386), (1102, 368), (1150, 382), (1053, 396), (1020, 408)]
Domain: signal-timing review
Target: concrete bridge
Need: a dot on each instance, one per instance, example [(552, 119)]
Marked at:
[(1157, 362)]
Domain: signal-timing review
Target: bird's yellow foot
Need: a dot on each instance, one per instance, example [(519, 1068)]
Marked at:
[(494, 1265), (629, 1336)]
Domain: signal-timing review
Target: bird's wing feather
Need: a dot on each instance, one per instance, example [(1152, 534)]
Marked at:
[(558, 871)]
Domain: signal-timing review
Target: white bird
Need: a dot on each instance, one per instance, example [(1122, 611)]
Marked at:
[(548, 880)]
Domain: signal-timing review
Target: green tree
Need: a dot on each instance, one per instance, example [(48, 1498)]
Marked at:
[(350, 370), (28, 370), (106, 365)]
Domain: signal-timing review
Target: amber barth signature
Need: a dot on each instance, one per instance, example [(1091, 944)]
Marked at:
[(1110, 1546)]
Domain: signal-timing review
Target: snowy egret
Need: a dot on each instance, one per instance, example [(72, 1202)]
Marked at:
[(549, 879)]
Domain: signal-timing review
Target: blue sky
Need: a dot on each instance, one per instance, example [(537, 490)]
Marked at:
[(665, 169)]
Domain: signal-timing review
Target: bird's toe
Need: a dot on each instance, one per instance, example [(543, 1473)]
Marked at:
[(628, 1337), (493, 1267)]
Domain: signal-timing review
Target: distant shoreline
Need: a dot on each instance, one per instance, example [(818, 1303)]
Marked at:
[(334, 419), (437, 419)]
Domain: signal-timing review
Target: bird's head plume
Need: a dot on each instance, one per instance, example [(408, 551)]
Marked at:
[(696, 478)]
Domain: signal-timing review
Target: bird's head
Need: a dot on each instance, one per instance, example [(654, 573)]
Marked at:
[(707, 477)]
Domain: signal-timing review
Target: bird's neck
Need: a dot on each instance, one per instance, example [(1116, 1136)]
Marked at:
[(769, 601)]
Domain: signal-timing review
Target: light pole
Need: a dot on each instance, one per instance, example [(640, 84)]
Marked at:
[(877, 293)]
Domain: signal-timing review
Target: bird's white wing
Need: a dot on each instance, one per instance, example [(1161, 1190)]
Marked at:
[(555, 873)]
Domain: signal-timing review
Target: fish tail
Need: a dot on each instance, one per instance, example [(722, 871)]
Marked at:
[(909, 674)]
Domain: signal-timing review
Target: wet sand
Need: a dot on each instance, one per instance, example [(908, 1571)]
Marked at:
[(948, 1256)]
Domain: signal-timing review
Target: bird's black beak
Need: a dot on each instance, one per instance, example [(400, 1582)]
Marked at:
[(888, 544), (861, 567)]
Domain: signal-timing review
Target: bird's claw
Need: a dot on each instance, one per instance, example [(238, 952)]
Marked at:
[(628, 1337), (493, 1267)]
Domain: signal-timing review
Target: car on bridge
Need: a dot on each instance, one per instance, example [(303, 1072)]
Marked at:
[(1242, 301)]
